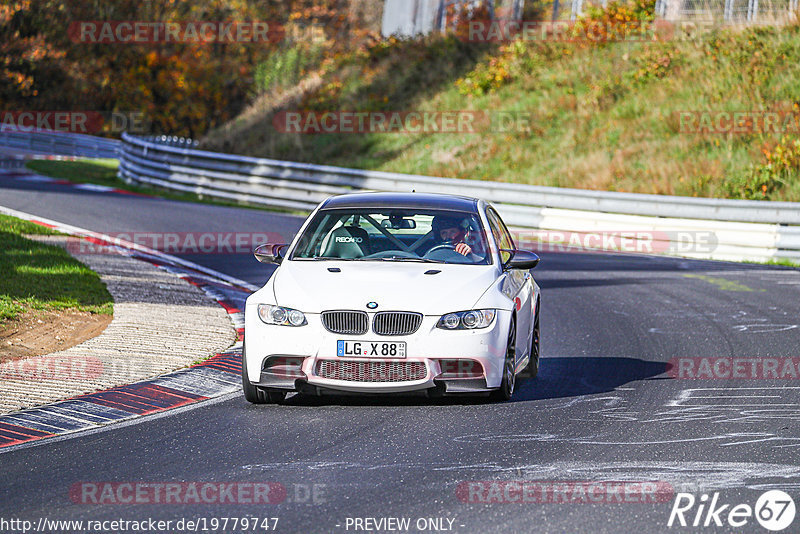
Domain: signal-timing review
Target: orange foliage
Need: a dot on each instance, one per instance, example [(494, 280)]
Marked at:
[(183, 88)]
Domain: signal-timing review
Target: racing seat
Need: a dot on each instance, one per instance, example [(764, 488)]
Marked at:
[(347, 242)]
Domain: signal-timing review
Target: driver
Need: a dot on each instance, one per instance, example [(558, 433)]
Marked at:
[(450, 231)]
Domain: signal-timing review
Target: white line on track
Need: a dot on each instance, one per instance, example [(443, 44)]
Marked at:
[(67, 228)]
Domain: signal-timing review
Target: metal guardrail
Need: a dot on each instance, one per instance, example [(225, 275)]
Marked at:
[(59, 143), (740, 229), (265, 179), (11, 163)]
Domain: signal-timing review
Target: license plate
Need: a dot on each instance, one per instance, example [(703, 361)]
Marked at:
[(371, 349)]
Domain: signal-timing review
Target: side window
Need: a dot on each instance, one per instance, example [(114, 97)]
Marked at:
[(500, 233), (475, 237), (506, 234)]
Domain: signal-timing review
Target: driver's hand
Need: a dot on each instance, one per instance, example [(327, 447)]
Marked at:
[(463, 249)]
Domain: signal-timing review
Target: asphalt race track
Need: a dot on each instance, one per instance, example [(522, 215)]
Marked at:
[(606, 407)]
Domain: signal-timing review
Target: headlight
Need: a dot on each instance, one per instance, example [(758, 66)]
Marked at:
[(281, 316), (467, 320)]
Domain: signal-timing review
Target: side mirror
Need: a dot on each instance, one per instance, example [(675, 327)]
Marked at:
[(521, 259), (270, 253)]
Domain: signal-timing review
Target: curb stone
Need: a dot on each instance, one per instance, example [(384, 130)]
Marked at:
[(161, 323), (212, 378)]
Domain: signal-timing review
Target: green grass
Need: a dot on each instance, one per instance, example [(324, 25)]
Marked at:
[(94, 171), (104, 172), (44, 277), (781, 262), (784, 262), (13, 225), (603, 117)]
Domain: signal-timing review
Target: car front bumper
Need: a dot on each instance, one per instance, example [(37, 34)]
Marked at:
[(293, 358)]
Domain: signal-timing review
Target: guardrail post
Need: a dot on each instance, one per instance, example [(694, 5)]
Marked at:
[(672, 9), (519, 5), (752, 10), (577, 9)]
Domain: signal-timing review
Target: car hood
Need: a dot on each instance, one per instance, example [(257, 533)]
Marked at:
[(312, 288)]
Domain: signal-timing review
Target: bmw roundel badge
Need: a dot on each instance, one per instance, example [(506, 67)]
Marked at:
[(372, 305)]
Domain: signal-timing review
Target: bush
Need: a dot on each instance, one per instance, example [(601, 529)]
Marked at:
[(781, 165)]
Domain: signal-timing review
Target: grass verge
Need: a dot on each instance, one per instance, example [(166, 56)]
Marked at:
[(780, 262), (37, 276)]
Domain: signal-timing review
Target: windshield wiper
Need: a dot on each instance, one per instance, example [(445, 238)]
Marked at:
[(402, 258), (328, 258)]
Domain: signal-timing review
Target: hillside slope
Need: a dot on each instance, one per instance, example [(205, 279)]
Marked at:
[(620, 116)]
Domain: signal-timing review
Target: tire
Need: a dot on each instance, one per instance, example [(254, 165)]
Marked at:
[(532, 369), (506, 390), (255, 394)]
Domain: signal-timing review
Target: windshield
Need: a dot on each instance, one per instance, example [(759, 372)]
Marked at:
[(410, 235)]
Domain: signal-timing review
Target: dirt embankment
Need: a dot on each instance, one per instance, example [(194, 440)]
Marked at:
[(36, 333)]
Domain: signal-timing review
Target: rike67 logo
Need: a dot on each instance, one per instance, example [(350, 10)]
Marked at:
[(774, 510)]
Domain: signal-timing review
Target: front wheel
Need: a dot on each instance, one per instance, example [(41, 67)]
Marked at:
[(506, 390), (255, 394), (532, 369)]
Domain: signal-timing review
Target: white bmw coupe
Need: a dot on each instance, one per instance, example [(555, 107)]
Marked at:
[(393, 293)]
